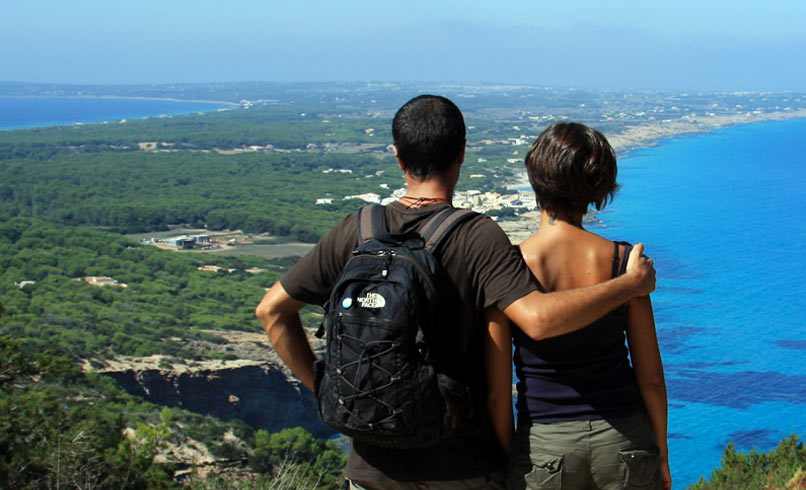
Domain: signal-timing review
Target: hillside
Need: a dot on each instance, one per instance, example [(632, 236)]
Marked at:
[(167, 333)]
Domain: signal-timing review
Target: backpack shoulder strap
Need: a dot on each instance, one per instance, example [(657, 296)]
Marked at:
[(371, 223), (438, 226)]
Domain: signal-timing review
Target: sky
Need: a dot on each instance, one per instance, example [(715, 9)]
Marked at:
[(711, 45)]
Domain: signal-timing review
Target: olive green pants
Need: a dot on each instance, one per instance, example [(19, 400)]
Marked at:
[(608, 454)]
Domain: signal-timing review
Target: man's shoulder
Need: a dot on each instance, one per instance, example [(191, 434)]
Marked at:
[(481, 229), (342, 233), (312, 277)]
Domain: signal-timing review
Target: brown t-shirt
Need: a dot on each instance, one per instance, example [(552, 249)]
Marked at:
[(487, 272)]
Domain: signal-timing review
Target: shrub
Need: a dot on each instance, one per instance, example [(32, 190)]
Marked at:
[(782, 468)]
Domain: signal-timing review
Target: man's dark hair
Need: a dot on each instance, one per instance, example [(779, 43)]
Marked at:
[(570, 167), (429, 133)]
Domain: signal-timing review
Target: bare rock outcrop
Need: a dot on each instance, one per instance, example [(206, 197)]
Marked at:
[(260, 392)]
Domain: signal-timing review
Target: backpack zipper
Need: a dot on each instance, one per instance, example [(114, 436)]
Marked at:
[(390, 255)]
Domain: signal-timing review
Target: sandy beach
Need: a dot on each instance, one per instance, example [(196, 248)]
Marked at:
[(642, 136)]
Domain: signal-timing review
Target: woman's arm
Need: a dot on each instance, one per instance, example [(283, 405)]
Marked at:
[(645, 355), (498, 366)]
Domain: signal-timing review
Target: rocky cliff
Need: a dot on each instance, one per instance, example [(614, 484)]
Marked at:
[(260, 392)]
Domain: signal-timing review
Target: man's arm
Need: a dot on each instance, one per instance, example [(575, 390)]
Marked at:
[(544, 315), (498, 368), (279, 314)]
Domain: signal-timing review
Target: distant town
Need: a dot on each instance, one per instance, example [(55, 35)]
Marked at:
[(482, 202)]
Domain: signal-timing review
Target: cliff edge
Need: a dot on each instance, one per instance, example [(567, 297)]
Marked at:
[(257, 388)]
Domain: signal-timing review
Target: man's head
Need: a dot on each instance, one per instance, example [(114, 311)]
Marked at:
[(429, 134)]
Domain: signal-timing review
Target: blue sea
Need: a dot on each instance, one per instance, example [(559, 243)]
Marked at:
[(30, 112), (723, 216)]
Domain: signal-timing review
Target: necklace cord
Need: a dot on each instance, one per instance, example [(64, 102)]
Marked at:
[(415, 202)]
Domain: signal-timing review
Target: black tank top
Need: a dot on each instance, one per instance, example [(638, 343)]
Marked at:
[(583, 375)]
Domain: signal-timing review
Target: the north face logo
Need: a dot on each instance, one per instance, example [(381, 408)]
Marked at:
[(371, 300)]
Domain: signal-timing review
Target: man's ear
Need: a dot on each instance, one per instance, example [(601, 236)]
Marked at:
[(462, 154), (399, 161)]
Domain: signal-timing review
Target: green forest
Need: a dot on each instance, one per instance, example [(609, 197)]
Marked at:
[(97, 175), (280, 126), (139, 191), (166, 295)]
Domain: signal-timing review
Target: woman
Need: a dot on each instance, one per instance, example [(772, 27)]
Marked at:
[(591, 414)]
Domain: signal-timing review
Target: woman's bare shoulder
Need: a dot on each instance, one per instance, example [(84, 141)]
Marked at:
[(570, 259)]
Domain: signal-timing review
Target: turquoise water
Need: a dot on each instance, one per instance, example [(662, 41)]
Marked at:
[(29, 112), (723, 216)]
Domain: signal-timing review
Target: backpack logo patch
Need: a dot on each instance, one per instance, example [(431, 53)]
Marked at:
[(371, 300)]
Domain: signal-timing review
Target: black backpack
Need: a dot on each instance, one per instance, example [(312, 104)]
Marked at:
[(380, 381)]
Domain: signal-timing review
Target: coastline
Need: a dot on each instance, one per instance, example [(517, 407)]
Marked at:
[(108, 108), (645, 136), (126, 97)]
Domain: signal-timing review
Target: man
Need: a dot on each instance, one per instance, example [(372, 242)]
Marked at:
[(429, 143)]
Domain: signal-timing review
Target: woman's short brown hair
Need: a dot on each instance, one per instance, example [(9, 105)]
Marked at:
[(570, 167)]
